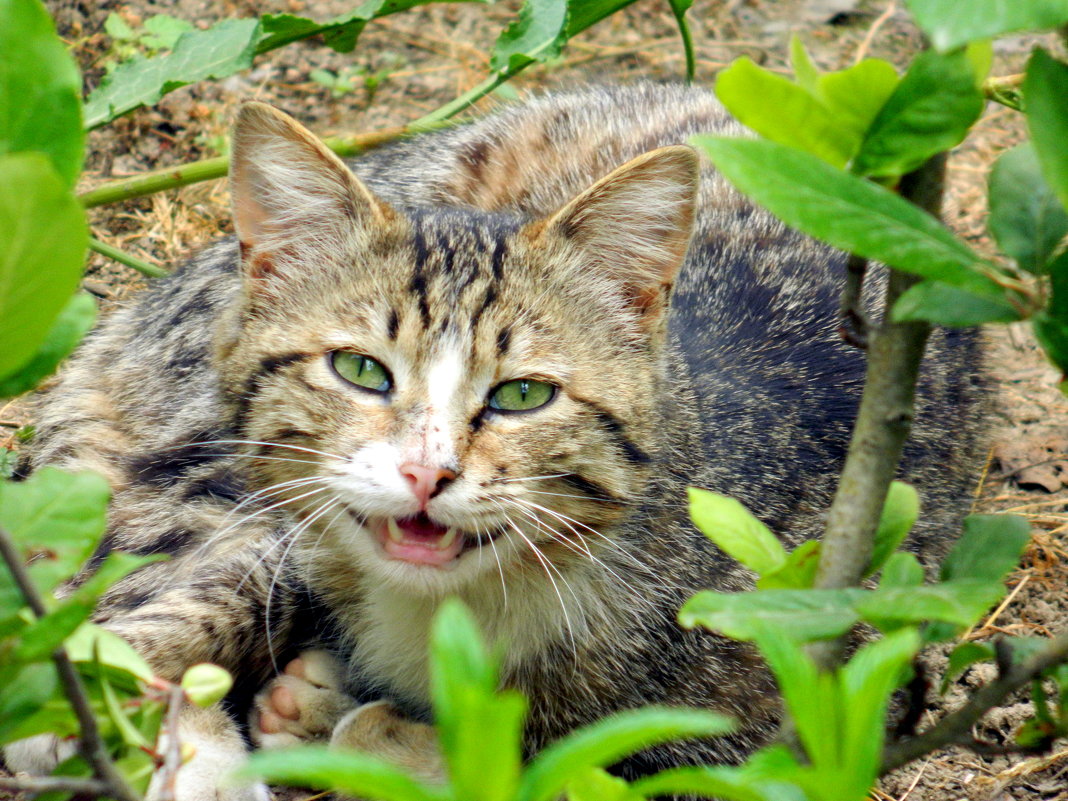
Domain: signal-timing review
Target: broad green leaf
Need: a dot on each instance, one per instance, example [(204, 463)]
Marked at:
[(736, 531), (727, 783), (867, 682), (930, 111), (784, 112), (988, 549), (951, 23), (219, 51), (595, 784), (117, 28), (20, 698), (848, 212), (112, 650), (964, 656), (806, 73), (900, 510), (1052, 334), (801, 614), (45, 635), (339, 33), (137, 766), (858, 93), (947, 305), (56, 509), (40, 93), (1045, 89), (798, 572), (959, 603), (43, 238), (67, 331), (1026, 218), (537, 34), (980, 54), (347, 772), (163, 31), (611, 739), (480, 727), (902, 569)]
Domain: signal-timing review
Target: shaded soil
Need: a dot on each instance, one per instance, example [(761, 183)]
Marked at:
[(426, 57)]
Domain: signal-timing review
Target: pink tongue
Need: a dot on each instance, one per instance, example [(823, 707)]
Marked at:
[(421, 542)]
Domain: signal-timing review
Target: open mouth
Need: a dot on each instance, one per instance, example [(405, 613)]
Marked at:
[(421, 541)]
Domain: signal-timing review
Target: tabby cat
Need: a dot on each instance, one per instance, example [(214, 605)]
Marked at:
[(484, 362)]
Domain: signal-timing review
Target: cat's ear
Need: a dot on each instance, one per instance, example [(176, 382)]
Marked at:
[(635, 224), (291, 195)]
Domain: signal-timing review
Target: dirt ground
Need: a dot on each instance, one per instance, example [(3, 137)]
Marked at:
[(428, 56)]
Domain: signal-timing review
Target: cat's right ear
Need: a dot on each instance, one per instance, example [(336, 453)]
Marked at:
[(292, 197)]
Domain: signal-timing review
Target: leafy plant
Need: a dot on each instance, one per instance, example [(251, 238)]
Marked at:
[(480, 728)]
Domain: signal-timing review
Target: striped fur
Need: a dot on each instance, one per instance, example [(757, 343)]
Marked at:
[(459, 260)]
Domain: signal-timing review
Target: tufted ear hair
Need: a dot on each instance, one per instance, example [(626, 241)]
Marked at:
[(292, 197), (635, 224)]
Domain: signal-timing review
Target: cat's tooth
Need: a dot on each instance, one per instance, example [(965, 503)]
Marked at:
[(394, 530), (450, 537)]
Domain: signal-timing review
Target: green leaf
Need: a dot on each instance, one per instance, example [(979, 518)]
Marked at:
[(117, 28), (930, 111), (804, 615), (40, 92), (480, 728), (960, 603), (727, 783), (951, 23), (596, 784), (537, 34), (73, 323), (163, 31), (867, 682), (964, 656), (22, 697), (63, 511), (988, 549), (1026, 218), (806, 73), (799, 571), (1045, 89), (1052, 334), (857, 94), (45, 635), (130, 734), (848, 212), (784, 112), (219, 51), (900, 510), (42, 248), (611, 739), (902, 569), (346, 772), (735, 530), (113, 651), (947, 305)]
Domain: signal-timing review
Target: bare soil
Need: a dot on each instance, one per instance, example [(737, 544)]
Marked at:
[(428, 56)]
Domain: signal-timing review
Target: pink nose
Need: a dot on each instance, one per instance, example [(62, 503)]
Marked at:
[(426, 481)]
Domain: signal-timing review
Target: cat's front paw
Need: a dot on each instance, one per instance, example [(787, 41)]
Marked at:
[(305, 703), (380, 729)]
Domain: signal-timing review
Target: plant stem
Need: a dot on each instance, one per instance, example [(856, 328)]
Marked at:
[(143, 267), (208, 169), (956, 727), (35, 785), (883, 424), (91, 745)]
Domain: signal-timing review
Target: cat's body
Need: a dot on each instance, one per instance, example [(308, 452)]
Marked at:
[(745, 388)]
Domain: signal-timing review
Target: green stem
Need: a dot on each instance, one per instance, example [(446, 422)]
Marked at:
[(143, 267), (687, 40), (208, 169)]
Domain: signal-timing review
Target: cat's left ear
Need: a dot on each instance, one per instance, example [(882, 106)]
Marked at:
[(635, 224)]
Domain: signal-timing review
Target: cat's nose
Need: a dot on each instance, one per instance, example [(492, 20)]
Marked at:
[(426, 481)]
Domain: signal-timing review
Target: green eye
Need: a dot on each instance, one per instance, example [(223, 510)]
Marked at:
[(363, 371), (521, 395)]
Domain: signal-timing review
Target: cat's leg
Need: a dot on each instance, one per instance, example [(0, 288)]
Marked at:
[(307, 703)]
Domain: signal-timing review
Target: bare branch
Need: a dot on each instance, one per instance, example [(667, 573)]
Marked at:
[(35, 785), (91, 745), (957, 726), (853, 322)]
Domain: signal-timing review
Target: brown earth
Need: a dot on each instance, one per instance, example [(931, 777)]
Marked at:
[(428, 56)]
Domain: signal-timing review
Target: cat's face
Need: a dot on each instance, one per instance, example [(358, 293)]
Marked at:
[(452, 397)]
